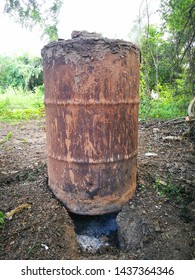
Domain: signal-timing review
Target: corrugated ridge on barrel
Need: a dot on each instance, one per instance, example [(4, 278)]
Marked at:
[(91, 99)]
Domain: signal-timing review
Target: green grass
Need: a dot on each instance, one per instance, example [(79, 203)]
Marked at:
[(166, 107), (18, 104), (162, 110)]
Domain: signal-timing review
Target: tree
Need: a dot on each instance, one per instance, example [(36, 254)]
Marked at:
[(179, 21), (21, 71), (156, 58), (30, 13)]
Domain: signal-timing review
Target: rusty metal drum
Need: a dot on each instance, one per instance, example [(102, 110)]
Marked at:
[(91, 100)]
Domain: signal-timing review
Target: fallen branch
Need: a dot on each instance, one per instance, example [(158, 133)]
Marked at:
[(10, 214), (174, 121)]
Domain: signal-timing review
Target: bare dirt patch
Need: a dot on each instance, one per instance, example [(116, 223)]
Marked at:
[(162, 208)]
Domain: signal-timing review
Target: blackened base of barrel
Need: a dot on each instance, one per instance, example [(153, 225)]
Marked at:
[(90, 189)]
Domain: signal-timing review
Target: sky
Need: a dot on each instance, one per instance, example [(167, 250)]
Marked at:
[(111, 18)]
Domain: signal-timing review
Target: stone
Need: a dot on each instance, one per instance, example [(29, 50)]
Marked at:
[(130, 235), (134, 229)]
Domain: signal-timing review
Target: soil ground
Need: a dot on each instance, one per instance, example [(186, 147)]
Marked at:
[(164, 197)]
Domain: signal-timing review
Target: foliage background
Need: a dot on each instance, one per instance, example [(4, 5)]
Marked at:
[(167, 78)]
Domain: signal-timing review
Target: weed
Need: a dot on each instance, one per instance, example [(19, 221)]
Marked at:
[(33, 248), (2, 220), (9, 148), (169, 189), (9, 135), (6, 138), (142, 188)]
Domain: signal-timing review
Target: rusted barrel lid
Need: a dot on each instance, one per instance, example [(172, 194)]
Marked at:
[(78, 42)]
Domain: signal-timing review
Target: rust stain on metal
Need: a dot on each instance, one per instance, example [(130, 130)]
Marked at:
[(91, 98)]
